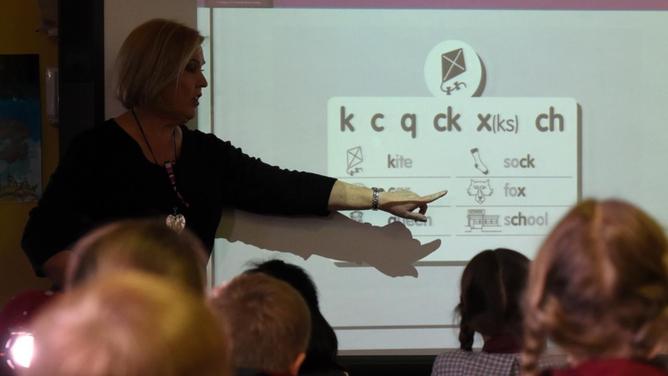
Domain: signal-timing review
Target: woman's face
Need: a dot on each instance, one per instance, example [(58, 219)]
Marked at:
[(182, 100)]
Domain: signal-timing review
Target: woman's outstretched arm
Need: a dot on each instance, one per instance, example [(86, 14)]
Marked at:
[(345, 196)]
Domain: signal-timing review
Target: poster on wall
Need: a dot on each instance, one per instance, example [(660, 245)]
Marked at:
[(20, 128)]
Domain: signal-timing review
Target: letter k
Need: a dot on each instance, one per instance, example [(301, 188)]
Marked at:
[(390, 162), (345, 120)]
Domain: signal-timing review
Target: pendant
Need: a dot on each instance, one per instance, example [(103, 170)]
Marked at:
[(176, 222)]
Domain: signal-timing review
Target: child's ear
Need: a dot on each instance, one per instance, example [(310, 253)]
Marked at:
[(294, 368), (218, 290)]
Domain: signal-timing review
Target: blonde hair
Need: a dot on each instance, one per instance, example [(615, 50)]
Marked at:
[(144, 245), (267, 320), (152, 57), (129, 324), (599, 285)]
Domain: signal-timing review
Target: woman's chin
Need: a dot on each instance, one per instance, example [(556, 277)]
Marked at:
[(184, 117), (189, 117)]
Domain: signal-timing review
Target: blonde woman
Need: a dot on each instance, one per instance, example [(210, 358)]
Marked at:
[(598, 288), (146, 162)]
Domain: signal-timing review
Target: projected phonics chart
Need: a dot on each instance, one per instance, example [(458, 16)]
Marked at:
[(510, 164)]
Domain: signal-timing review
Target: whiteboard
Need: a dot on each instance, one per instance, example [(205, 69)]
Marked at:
[(279, 78)]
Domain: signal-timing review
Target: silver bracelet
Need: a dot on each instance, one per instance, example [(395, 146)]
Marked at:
[(375, 197)]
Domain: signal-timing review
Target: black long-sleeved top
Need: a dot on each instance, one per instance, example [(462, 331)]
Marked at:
[(104, 176)]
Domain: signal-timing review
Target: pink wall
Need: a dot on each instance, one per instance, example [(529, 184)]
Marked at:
[(481, 4), (452, 4)]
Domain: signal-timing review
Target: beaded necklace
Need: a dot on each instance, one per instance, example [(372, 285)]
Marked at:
[(176, 221)]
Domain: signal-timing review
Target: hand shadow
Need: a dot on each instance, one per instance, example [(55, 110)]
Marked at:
[(391, 249)]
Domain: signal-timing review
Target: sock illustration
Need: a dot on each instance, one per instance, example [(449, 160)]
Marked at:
[(478, 162)]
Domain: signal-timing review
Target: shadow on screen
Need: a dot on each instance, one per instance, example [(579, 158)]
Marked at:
[(391, 249)]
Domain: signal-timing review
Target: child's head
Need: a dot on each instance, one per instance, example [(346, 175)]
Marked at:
[(144, 245), (268, 322), (489, 302), (599, 285), (322, 351), (130, 324)]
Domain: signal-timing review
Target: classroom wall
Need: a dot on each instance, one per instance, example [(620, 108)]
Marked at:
[(19, 20)]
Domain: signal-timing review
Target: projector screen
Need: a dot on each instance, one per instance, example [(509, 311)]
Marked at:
[(517, 113)]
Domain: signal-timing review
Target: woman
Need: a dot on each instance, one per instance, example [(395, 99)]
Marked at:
[(145, 162), (599, 289), (489, 304)]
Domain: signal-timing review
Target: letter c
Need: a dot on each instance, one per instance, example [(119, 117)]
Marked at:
[(374, 125)]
